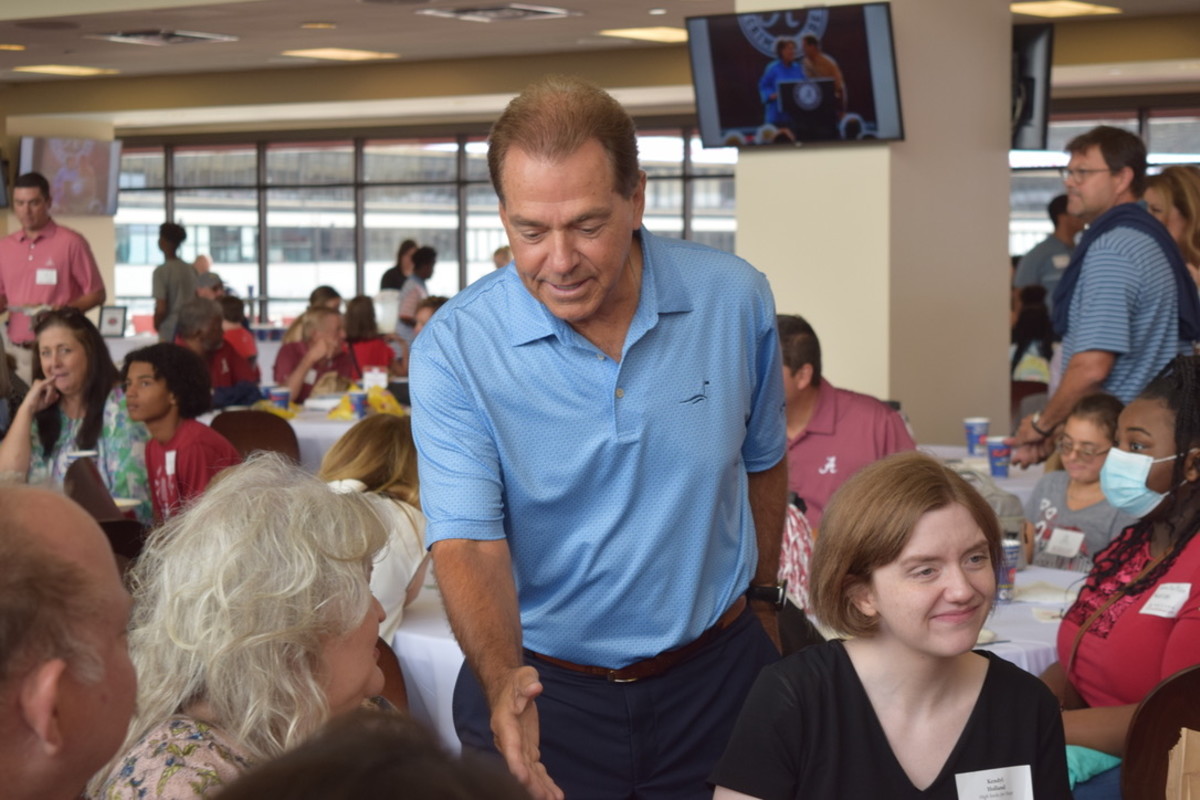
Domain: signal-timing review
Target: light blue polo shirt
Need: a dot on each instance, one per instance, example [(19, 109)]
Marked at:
[(620, 488)]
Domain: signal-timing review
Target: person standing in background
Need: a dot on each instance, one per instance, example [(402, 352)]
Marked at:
[(1045, 263), (174, 281), (43, 264)]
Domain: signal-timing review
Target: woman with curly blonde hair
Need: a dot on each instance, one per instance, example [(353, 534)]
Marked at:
[(377, 458), (253, 624)]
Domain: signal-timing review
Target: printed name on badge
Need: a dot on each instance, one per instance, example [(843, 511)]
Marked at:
[(1064, 543), (1001, 783), (46, 277), (170, 462), (1167, 600)]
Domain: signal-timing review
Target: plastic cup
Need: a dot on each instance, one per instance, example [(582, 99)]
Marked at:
[(977, 431), (358, 402), (281, 396), (1006, 575), (998, 455)]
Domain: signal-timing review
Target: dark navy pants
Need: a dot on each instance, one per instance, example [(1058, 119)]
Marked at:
[(657, 738)]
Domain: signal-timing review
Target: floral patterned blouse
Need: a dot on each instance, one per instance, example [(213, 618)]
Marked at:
[(181, 759), (121, 455)]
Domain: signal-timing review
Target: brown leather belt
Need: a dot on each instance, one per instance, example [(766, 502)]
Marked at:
[(652, 667)]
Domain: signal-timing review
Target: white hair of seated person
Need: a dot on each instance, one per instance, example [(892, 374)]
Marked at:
[(235, 598)]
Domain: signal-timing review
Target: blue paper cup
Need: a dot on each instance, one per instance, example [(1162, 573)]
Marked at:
[(977, 431), (358, 402), (281, 396), (998, 455)]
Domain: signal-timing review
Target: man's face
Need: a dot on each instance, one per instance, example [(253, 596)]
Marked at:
[(1097, 189), (571, 232), (31, 207), (94, 713)]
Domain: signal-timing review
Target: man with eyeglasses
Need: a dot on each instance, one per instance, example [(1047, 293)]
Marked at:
[(1126, 304)]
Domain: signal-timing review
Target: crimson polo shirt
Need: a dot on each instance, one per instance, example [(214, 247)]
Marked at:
[(847, 431), (52, 267)]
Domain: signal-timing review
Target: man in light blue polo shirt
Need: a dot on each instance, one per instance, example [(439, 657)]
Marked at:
[(601, 436)]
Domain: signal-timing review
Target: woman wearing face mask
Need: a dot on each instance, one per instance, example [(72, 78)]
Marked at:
[(1137, 619)]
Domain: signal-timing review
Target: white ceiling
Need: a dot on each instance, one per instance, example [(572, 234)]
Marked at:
[(266, 28)]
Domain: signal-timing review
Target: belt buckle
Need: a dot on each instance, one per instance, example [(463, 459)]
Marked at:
[(612, 677)]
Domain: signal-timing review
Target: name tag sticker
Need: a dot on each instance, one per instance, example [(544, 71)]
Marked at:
[(46, 277), (310, 377), (170, 462), (1001, 783), (1167, 600), (1064, 543), (1060, 261)]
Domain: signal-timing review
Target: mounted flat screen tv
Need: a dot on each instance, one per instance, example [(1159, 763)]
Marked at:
[(824, 74), (1032, 54), (82, 173)]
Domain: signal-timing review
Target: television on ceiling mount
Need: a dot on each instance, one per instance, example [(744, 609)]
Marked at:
[(807, 75), (82, 173)]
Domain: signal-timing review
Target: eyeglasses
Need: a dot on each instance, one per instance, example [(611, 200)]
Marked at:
[(1078, 175), (1084, 452)]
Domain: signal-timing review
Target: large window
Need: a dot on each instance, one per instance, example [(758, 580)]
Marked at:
[(279, 218)]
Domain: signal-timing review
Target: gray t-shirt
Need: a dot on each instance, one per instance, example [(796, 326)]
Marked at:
[(1047, 510), (175, 282)]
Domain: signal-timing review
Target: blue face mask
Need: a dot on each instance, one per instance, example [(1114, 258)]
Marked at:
[(1123, 481)]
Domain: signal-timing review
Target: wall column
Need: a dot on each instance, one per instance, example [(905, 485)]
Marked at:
[(897, 252)]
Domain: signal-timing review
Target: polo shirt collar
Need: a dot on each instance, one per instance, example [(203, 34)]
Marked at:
[(824, 418), (662, 292), (47, 231)]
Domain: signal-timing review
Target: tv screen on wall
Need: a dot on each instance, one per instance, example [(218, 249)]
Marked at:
[(82, 173), (823, 74), (1032, 54)]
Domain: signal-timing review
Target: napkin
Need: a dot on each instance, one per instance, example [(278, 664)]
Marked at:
[(1045, 593)]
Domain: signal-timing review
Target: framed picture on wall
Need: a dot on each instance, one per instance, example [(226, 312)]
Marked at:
[(112, 320)]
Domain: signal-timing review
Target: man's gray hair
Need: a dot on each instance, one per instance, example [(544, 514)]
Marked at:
[(195, 316)]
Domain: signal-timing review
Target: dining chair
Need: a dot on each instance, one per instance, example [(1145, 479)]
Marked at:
[(85, 486), (1171, 705), (250, 430)]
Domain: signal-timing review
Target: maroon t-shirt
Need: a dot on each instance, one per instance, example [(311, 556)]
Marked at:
[(181, 469)]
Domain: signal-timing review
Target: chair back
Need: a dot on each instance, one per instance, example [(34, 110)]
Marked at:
[(249, 431), (85, 486), (1154, 730)]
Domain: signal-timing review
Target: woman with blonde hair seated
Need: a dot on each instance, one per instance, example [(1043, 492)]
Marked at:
[(377, 457), (253, 624), (906, 565)]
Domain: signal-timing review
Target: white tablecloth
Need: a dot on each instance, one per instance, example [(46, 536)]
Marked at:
[(430, 660), (1023, 638), (1019, 482), (316, 434)]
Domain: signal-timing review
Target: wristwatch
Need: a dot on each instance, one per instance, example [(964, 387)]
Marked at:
[(775, 594), (1034, 422)]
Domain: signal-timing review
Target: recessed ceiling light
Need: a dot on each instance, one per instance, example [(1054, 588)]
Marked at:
[(66, 69), (319, 26), (1061, 8), (663, 34), (340, 54), (657, 12), (13, 47)]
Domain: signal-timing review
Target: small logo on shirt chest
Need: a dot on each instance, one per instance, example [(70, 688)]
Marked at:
[(830, 467), (698, 398)]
